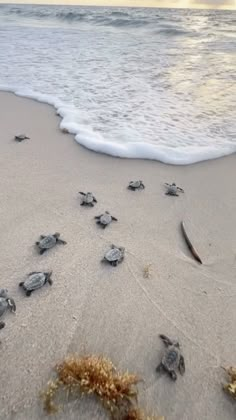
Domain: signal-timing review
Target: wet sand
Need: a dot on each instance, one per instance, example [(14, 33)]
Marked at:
[(95, 308)]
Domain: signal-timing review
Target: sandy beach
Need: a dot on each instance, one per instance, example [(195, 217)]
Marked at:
[(114, 311)]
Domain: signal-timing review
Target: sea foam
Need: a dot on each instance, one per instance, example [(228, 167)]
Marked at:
[(87, 137), (134, 83)]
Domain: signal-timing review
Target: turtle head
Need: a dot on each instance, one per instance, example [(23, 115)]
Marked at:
[(3, 293), (175, 343), (122, 250), (173, 183), (56, 235)]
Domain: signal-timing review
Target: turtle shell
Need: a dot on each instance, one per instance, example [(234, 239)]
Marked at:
[(3, 305), (105, 219), (47, 242), (113, 254), (35, 281), (88, 198), (172, 189), (135, 184), (171, 358)]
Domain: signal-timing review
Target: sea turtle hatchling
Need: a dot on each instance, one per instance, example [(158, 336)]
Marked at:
[(172, 189), (88, 199), (49, 241), (105, 219), (6, 303), (172, 359), (35, 280), (21, 137), (136, 185), (114, 255)]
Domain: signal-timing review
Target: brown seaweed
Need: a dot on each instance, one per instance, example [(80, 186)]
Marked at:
[(96, 375)]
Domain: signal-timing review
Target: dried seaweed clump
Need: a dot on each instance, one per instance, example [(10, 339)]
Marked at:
[(147, 271), (137, 414), (98, 376), (231, 386)]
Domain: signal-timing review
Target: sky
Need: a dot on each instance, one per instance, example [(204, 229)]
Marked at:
[(215, 4)]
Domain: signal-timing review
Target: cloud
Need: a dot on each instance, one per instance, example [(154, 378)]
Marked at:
[(214, 3)]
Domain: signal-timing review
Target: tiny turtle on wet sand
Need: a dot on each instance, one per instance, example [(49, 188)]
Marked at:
[(21, 137), (88, 199), (136, 185), (114, 255), (35, 280), (172, 359), (105, 219), (49, 241), (6, 303), (172, 189)]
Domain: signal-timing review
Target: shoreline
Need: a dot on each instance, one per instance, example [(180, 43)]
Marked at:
[(86, 137), (114, 311)]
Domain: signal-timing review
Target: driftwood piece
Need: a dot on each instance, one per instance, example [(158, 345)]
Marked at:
[(189, 244)]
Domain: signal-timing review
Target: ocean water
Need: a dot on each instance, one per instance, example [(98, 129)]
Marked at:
[(135, 83)]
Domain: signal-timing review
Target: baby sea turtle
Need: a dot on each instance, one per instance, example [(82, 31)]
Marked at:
[(21, 137), (35, 280), (114, 255), (49, 241), (88, 199), (172, 189), (105, 219), (136, 185), (6, 303), (172, 359)]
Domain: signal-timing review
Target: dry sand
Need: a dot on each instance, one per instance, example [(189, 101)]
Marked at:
[(115, 311)]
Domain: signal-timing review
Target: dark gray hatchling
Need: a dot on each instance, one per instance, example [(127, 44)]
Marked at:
[(49, 241), (105, 219), (172, 189), (35, 280), (114, 255), (6, 303), (172, 359), (136, 185), (87, 199), (21, 137)]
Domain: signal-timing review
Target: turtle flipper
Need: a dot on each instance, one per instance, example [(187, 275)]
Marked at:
[(42, 251), (160, 368), (114, 263), (181, 365), (95, 200), (2, 325), (82, 193), (42, 236), (11, 304), (61, 241), (166, 340), (28, 293), (173, 375), (30, 274), (114, 218)]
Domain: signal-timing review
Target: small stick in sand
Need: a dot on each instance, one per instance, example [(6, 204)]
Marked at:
[(190, 246)]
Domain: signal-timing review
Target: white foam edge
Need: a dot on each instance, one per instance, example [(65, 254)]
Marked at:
[(87, 137)]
